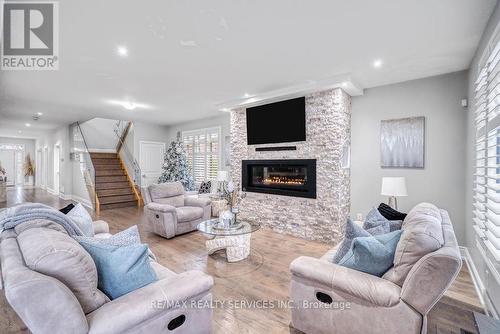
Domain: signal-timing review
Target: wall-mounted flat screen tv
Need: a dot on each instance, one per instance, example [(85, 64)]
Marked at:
[(278, 122)]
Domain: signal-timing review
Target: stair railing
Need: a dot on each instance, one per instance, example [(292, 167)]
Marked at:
[(121, 130), (87, 168)]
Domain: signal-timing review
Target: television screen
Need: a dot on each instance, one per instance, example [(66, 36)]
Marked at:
[(279, 122)]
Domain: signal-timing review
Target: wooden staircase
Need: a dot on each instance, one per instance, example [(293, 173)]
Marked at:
[(114, 187)]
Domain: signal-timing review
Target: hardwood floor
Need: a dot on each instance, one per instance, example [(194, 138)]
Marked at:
[(263, 276)]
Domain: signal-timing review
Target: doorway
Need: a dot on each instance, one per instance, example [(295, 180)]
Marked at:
[(57, 160)]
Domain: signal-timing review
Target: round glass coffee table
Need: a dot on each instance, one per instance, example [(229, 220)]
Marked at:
[(236, 240)]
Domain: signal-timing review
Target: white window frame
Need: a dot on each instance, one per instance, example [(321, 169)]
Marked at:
[(486, 188), (219, 146)]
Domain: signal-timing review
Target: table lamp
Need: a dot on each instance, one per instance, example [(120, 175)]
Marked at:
[(394, 187)]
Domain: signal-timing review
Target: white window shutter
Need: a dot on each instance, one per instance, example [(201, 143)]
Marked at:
[(486, 196), (203, 150)]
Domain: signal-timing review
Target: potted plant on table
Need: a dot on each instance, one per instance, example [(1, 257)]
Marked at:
[(29, 170)]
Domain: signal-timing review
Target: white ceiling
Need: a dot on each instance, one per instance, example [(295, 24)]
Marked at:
[(188, 57)]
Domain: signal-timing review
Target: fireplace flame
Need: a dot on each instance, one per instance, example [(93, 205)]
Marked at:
[(283, 180)]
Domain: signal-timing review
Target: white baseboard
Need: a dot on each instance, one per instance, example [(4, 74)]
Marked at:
[(478, 283), (102, 150), (65, 197), (52, 191), (84, 201)]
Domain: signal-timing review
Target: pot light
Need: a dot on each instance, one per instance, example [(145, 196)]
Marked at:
[(27, 125), (246, 95), (129, 105), (225, 110), (344, 84), (19, 131), (377, 63), (39, 113), (122, 51)]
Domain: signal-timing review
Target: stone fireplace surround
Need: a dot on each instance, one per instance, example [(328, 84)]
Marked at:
[(328, 128)]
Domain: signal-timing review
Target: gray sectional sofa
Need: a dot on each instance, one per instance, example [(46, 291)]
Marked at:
[(333, 299), (51, 283)]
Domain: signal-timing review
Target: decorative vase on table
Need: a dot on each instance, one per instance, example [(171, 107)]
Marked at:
[(233, 197)]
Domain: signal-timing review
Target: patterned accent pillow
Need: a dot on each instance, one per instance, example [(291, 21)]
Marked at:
[(352, 231), (127, 237), (375, 218), (205, 187)]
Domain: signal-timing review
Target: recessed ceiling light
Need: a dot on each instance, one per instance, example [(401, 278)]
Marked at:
[(246, 95), (129, 105), (344, 84), (188, 43), (27, 125), (19, 131), (377, 63), (225, 110), (39, 113), (122, 51)]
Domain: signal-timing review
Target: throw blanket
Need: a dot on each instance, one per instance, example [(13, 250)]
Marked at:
[(11, 217)]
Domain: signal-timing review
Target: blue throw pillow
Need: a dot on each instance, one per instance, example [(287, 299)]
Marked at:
[(121, 270), (353, 230), (374, 218), (373, 255)]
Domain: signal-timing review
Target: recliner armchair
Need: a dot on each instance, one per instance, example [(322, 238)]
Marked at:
[(171, 212), (333, 299)]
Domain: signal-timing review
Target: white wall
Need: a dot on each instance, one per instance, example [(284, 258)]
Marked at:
[(223, 121), (442, 180), (491, 285), (99, 134)]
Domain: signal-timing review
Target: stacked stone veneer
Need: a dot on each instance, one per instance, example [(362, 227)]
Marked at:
[(328, 129)]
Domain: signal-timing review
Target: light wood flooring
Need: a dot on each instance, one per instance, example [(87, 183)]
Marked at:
[(263, 276)]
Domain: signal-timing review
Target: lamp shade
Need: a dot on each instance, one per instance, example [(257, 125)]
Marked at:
[(394, 186), (222, 175)]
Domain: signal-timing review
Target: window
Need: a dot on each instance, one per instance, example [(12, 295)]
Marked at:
[(203, 153), (486, 210)]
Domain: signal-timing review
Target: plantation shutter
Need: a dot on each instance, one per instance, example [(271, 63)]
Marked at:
[(486, 196), (203, 152)]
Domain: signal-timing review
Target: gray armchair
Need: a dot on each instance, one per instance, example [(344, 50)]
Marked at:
[(171, 212), (335, 299)]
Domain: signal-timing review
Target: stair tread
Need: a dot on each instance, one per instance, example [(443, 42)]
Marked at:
[(118, 205), (114, 192), (116, 199), (110, 172), (112, 185)]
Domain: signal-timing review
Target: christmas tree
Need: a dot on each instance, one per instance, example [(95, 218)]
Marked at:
[(176, 167)]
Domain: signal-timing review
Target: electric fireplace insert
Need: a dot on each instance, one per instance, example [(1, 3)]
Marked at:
[(281, 177)]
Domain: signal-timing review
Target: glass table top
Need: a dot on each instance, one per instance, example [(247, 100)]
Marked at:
[(213, 227)]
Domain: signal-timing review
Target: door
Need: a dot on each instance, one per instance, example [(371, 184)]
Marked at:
[(57, 159), (46, 167), (151, 159), (38, 168), (19, 168), (8, 162)]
